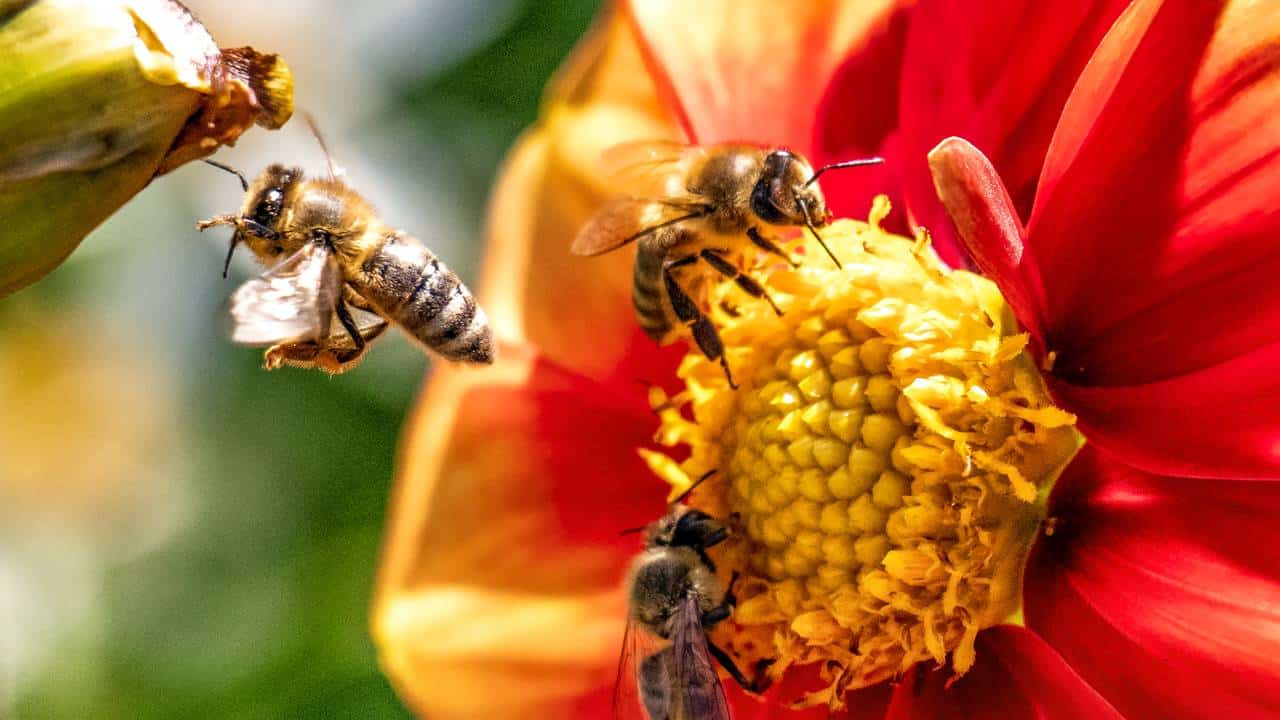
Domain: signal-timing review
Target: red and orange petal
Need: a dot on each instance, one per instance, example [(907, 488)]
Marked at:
[(511, 495), (1147, 265), (576, 311), (444, 668), (1163, 592), (756, 71), (760, 72)]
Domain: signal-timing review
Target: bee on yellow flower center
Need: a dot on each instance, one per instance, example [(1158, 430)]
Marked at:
[(882, 467)]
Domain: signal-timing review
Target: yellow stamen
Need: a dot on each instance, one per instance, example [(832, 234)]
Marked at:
[(883, 465)]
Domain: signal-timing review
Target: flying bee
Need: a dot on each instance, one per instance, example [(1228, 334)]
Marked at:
[(339, 276), (710, 204), (675, 597)]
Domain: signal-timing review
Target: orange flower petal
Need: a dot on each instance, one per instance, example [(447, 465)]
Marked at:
[(499, 592), (515, 482), (752, 70), (461, 653), (542, 474), (575, 310)]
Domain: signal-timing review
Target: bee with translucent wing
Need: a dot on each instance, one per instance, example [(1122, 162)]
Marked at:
[(708, 205), (339, 276), (674, 598)]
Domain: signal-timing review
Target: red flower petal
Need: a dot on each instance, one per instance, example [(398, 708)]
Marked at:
[(870, 703), (1155, 222), (1017, 677), (996, 74), (1223, 421), (1163, 592), (986, 222), (753, 70), (864, 704), (541, 476), (858, 117), (514, 483)]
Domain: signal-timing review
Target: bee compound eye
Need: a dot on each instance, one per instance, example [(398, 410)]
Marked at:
[(762, 201), (269, 207)]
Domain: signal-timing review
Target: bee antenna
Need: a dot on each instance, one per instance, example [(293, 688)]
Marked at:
[(681, 497), (334, 170), (244, 184), (842, 165), (631, 530), (808, 222)]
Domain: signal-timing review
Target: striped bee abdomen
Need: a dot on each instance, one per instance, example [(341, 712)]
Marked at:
[(647, 295), (418, 292)]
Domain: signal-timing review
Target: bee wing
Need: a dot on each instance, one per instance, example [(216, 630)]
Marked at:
[(293, 301), (646, 168), (642, 690), (625, 219), (699, 694), (651, 174)]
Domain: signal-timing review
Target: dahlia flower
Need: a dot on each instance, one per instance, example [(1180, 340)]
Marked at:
[(1044, 490)]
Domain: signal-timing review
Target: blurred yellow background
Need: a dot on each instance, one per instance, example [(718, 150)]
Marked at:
[(183, 534)]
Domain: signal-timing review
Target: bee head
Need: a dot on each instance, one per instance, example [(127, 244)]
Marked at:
[(257, 222), (687, 527), (783, 194), (266, 197)]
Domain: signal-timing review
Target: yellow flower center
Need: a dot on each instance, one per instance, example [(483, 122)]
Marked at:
[(883, 465)]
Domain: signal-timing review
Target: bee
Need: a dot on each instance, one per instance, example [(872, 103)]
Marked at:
[(708, 204), (339, 276), (675, 596)]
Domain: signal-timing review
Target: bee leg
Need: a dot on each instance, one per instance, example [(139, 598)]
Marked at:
[(203, 225), (726, 268), (686, 310), (729, 598), (716, 614), (354, 299), (761, 682), (348, 324), (231, 250), (706, 559), (769, 246), (730, 666), (241, 223)]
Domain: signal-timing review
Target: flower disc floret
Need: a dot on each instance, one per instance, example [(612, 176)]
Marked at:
[(883, 465)]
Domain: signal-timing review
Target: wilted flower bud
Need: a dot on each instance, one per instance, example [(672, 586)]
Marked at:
[(97, 97)]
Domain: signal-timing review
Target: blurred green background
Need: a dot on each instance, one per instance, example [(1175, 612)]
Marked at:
[(183, 534)]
